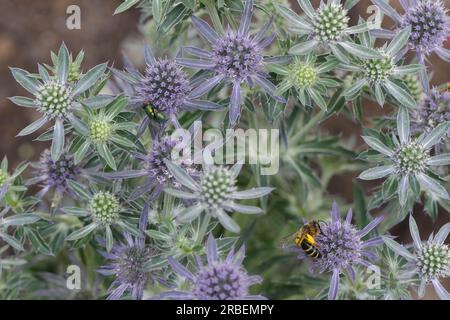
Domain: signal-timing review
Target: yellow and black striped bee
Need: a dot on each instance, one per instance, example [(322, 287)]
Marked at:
[(305, 239), (154, 114)]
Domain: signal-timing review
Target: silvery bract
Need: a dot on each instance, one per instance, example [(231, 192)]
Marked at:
[(308, 78), (382, 74), (54, 97), (236, 57), (410, 160), (430, 259), (327, 27), (215, 194)]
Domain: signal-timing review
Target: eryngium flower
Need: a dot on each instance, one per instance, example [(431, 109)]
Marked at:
[(104, 210), (428, 21), (106, 131), (55, 97), (164, 87), (410, 160), (155, 170), (55, 174), (325, 27), (217, 280), (235, 57), (382, 73), (433, 111), (341, 247), (127, 262), (430, 260), (307, 77), (215, 194)]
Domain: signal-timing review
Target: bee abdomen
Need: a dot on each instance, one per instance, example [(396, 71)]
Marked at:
[(310, 250)]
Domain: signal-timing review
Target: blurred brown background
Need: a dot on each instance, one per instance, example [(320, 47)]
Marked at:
[(30, 29)]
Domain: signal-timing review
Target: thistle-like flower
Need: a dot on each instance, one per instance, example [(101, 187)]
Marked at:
[(236, 57), (127, 263), (214, 194), (429, 25), (326, 27), (430, 260), (55, 98), (381, 74), (162, 91), (106, 130), (55, 174), (154, 169), (217, 280), (341, 247), (104, 210), (410, 160), (307, 77), (433, 111)]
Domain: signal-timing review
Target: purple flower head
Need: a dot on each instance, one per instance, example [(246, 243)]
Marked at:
[(155, 166), (154, 169), (430, 260), (236, 56), (164, 87), (55, 174), (218, 279), (126, 263), (434, 110), (429, 25), (341, 247)]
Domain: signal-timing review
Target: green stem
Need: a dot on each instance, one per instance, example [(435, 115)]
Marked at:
[(312, 123), (203, 227), (168, 204), (212, 11)]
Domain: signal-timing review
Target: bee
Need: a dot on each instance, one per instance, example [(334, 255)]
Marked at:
[(154, 114), (305, 239)]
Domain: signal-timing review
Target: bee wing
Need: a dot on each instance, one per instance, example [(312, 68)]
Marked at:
[(288, 241)]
